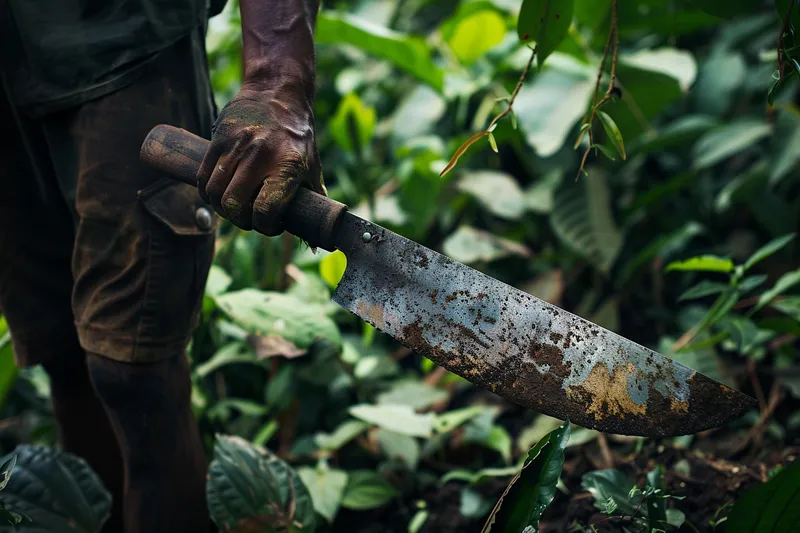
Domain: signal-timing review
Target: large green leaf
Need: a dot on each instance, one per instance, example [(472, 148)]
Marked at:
[(583, 220), (8, 368), (474, 32), (469, 245), (397, 418), (326, 486), (250, 489), (544, 22), (721, 143), (366, 490), (274, 313), (531, 491), (57, 491), (550, 104), (605, 485), (498, 192), (772, 506), (407, 52)]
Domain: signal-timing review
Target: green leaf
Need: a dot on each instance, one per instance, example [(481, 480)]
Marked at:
[(332, 268), (475, 34), (550, 104), (343, 434), (218, 281), (450, 420), (726, 141), (613, 133), (399, 446), (8, 367), (531, 491), (541, 426), (460, 151), (417, 521), (473, 504), (742, 331), (407, 52), (656, 507), (266, 313), (249, 488), (56, 490), (786, 282), (6, 469), (469, 245), (353, 125), (326, 487), (702, 263), (367, 490), (703, 289), (234, 352), (751, 282), (606, 151), (11, 518), (493, 142), (412, 393), (787, 146), (398, 418), (544, 22), (768, 249), (772, 506), (583, 220), (498, 192), (610, 484)]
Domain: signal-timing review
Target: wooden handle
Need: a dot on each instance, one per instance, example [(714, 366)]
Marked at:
[(312, 217)]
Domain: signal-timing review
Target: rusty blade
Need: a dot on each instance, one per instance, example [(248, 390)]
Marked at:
[(519, 347)]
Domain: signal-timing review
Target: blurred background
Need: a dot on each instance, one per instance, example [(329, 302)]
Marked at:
[(710, 170)]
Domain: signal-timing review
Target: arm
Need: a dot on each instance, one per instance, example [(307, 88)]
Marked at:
[(262, 145)]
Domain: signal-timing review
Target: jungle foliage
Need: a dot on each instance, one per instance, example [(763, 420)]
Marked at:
[(632, 161)]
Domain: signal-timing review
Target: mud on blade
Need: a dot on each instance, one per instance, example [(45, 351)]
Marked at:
[(522, 348)]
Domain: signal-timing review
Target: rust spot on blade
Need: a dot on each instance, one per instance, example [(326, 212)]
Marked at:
[(372, 313), (607, 394)]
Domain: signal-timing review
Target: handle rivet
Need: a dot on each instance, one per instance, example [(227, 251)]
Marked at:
[(366, 237)]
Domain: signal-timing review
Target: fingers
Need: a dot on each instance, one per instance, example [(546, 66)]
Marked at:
[(271, 203), (237, 200)]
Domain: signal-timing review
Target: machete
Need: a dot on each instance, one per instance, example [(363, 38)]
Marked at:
[(509, 342)]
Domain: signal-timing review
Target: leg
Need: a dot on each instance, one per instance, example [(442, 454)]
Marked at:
[(36, 239), (140, 262), (149, 405)]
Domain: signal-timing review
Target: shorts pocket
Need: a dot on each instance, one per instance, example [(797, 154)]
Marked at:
[(181, 231)]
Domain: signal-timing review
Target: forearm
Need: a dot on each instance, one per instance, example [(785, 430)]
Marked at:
[(278, 42)]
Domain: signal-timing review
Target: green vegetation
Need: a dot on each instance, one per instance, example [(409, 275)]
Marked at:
[(632, 161)]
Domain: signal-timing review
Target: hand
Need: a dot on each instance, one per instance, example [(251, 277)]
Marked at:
[(262, 149)]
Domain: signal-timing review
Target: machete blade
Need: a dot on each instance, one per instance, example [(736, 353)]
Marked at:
[(519, 347)]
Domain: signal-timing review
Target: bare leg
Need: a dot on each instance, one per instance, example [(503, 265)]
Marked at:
[(83, 426), (165, 465)]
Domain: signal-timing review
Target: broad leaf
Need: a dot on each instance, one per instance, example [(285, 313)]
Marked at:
[(266, 312), (702, 263), (452, 419), (326, 487), (412, 393), (399, 446), (772, 506), (611, 485), (531, 491), (231, 353), (353, 125), (398, 418), (583, 220), (343, 434), (475, 33), (544, 22), (407, 52), (469, 245), (498, 192), (332, 268), (366, 490), (726, 141), (703, 289), (56, 490), (250, 489)]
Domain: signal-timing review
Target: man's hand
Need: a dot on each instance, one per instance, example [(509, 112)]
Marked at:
[(262, 150), (262, 145)]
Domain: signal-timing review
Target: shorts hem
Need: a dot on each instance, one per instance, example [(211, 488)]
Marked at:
[(127, 349), (39, 346)]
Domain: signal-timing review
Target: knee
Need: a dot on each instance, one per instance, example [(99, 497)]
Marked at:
[(143, 387)]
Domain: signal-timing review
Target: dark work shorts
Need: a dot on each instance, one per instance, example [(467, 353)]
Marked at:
[(93, 241)]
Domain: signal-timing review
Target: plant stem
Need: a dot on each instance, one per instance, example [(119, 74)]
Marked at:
[(514, 93)]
